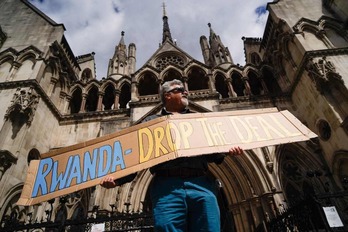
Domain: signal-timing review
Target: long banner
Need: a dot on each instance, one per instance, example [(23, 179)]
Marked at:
[(80, 166)]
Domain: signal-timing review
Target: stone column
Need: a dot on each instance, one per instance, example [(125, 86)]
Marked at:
[(83, 103), (51, 87), (100, 101), (66, 104), (228, 82), (159, 82), (185, 80), (14, 69), (247, 91), (117, 99), (211, 83), (134, 89)]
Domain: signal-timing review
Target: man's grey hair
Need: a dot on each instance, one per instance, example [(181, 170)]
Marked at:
[(167, 86)]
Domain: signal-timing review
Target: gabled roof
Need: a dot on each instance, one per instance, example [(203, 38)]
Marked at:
[(40, 13)]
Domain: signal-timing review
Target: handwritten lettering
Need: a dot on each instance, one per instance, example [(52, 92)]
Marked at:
[(54, 175)]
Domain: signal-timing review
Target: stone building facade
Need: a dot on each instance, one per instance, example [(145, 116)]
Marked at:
[(51, 99)]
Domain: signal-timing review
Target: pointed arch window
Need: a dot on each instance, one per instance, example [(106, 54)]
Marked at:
[(86, 75), (76, 101), (171, 75), (109, 97), (5, 67), (238, 84), (92, 99), (148, 85), (220, 86), (255, 84), (125, 96), (271, 83), (197, 79), (34, 154)]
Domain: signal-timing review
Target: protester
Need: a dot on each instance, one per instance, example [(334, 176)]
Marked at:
[(183, 196)]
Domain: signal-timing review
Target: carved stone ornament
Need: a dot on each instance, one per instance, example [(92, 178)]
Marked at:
[(6, 160), (323, 73), (24, 102)]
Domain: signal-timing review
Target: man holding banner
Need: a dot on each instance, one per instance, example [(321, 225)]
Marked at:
[(182, 195)]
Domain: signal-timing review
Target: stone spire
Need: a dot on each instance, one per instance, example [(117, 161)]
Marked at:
[(166, 30), (121, 49), (121, 64), (219, 53)]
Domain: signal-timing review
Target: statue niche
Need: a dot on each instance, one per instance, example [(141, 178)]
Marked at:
[(22, 109)]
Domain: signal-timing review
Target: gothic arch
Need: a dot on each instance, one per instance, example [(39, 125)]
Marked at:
[(255, 83), (171, 73), (7, 57), (58, 88), (125, 95), (147, 84), (27, 55), (306, 25), (25, 70), (107, 83), (10, 208), (33, 154), (197, 79), (270, 81), (75, 87), (334, 31), (141, 200), (238, 83), (286, 42), (86, 75), (47, 77), (294, 164), (109, 96), (92, 97), (5, 67), (220, 85), (340, 167), (245, 188), (76, 99), (312, 34)]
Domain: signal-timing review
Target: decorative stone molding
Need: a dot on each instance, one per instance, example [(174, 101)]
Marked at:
[(323, 73), (6, 160), (174, 59), (24, 102), (3, 37), (268, 160)]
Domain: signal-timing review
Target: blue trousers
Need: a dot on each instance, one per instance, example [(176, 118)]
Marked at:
[(185, 204)]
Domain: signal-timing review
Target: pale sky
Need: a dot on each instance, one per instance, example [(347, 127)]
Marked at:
[(96, 25)]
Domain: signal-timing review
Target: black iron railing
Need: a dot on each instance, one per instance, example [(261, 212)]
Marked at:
[(306, 215), (110, 222)]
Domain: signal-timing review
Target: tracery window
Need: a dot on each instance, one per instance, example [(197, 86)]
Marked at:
[(163, 62)]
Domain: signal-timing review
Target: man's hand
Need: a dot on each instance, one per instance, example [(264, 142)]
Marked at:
[(235, 151), (108, 182)]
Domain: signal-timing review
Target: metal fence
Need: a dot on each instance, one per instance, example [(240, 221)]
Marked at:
[(111, 222), (306, 216)]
